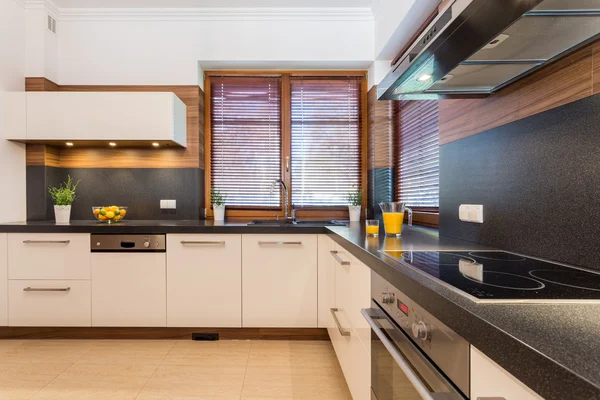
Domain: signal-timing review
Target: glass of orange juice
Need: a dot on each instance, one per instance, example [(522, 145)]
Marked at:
[(393, 217), (372, 226)]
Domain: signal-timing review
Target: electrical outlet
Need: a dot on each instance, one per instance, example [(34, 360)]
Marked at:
[(471, 213)]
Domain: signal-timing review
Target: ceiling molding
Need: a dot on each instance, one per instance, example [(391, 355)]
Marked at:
[(20, 2), (214, 14), (46, 5)]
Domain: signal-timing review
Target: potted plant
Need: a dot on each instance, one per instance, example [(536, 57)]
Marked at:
[(355, 199), (63, 197), (218, 201)]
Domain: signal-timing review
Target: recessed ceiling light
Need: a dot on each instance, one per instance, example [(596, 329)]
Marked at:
[(424, 78), (112, 144), (69, 144), (155, 144)]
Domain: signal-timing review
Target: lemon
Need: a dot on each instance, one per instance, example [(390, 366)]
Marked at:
[(110, 215)]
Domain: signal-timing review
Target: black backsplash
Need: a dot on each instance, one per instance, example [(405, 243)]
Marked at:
[(538, 180), (141, 189)]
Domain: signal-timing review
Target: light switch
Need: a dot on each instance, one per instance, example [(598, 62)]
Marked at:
[(172, 204), (476, 213), (164, 204), (463, 212)]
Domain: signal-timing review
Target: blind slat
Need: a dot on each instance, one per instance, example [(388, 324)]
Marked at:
[(325, 139), (246, 139), (418, 149)]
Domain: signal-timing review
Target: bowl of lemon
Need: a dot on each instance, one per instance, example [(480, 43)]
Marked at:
[(110, 214)]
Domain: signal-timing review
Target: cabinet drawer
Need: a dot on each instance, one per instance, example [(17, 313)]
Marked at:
[(49, 303), (48, 256), (200, 269)]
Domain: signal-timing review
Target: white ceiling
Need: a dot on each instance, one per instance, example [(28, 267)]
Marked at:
[(213, 3)]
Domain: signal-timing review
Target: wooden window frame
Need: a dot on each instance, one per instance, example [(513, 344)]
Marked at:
[(424, 216), (285, 75)]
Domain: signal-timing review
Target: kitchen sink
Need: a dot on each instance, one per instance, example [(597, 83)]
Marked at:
[(273, 222)]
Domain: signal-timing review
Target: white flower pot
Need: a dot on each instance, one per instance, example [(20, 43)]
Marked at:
[(62, 214), (219, 212), (354, 213)]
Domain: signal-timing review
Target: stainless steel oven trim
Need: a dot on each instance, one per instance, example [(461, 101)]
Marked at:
[(370, 315)]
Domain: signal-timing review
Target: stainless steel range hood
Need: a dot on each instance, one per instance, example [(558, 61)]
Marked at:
[(476, 47)]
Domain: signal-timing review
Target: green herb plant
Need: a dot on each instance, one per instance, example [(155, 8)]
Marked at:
[(355, 198), (64, 195), (217, 198)]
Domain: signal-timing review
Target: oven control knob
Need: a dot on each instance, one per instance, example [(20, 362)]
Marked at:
[(419, 330), (387, 298), (146, 244)]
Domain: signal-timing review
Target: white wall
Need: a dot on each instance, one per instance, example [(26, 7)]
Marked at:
[(12, 79), (41, 45), (121, 50), (395, 23)]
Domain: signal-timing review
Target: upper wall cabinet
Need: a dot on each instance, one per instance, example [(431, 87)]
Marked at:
[(95, 118)]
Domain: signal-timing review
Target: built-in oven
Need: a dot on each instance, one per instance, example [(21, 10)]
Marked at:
[(413, 355)]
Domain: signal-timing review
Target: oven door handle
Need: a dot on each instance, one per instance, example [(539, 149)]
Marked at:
[(421, 388)]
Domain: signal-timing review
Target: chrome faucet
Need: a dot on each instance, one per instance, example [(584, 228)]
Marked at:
[(285, 192)]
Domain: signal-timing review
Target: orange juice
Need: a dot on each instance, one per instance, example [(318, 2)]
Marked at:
[(372, 229), (392, 221)]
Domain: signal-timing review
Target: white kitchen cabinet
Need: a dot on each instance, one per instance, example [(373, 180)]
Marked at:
[(14, 118), (129, 289), (3, 280), (489, 380), (326, 279), (49, 256), (204, 280), (279, 281), (49, 303), (105, 116), (351, 335)]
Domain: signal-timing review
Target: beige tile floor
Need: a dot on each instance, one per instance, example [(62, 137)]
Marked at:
[(169, 369)]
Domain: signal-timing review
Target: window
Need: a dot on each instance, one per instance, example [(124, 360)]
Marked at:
[(325, 139), (417, 166), (305, 128), (245, 144)]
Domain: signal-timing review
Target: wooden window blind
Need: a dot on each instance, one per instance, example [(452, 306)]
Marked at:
[(325, 140), (417, 166), (245, 149)]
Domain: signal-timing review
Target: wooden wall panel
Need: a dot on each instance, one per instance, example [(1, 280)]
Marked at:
[(569, 79), (191, 157), (40, 85), (380, 132)]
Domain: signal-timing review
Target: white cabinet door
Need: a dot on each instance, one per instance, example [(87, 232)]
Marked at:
[(14, 115), (279, 281), (204, 280), (106, 116), (129, 289), (326, 281), (49, 256), (3, 280), (49, 303), (489, 380)]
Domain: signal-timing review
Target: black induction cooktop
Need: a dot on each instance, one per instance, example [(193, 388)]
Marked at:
[(499, 275)]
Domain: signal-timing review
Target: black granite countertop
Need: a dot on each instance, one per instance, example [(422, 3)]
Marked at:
[(154, 226), (552, 348)]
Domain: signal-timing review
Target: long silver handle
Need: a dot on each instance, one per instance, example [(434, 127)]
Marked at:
[(402, 363), (46, 241), (334, 253), (343, 332), (262, 243), (204, 242), (30, 289)]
